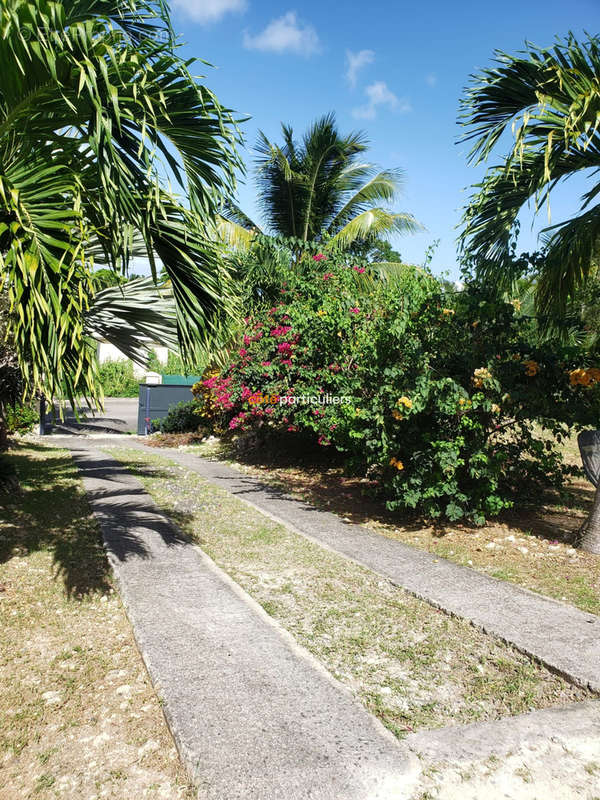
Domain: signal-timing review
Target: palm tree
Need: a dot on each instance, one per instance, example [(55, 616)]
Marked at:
[(321, 189), (98, 115), (550, 100)]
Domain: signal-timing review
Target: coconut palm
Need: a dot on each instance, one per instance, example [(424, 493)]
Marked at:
[(98, 115), (550, 100), (320, 188)]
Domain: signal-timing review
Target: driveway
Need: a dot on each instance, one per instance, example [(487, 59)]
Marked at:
[(119, 416)]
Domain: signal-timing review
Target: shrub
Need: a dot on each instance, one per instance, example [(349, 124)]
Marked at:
[(117, 379), (446, 403), (182, 418), (21, 418)]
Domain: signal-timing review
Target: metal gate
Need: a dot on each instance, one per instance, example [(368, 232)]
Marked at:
[(156, 400)]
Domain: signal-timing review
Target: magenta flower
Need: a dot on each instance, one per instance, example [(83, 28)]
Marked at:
[(327, 275), (319, 257), (360, 270), (284, 347), (355, 310), (281, 330)]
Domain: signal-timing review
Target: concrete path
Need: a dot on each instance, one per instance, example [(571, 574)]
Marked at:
[(254, 716), (560, 636)]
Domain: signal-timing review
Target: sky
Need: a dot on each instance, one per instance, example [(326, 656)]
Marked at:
[(395, 70)]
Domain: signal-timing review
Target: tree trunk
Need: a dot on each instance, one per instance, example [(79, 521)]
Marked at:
[(590, 538)]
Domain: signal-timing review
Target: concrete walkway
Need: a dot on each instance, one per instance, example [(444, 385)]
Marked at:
[(254, 716), (560, 636)]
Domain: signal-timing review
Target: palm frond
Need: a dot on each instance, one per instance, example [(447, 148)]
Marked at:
[(134, 317), (376, 222)]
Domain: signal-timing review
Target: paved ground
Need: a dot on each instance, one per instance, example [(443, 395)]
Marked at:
[(119, 416), (254, 715), (561, 636)]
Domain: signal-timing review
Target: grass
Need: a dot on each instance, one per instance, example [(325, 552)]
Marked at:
[(410, 664), (65, 649), (530, 548)]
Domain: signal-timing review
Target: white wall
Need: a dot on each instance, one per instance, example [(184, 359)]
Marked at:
[(108, 352)]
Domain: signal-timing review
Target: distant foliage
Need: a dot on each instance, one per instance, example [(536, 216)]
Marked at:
[(443, 400), (173, 366), (117, 379)]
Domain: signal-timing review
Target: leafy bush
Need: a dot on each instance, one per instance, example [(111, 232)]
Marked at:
[(117, 379), (182, 418), (442, 399), (21, 418)]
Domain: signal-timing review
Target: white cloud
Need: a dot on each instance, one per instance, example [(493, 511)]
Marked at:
[(356, 61), (205, 11), (285, 35), (431, 79), (378, 94)]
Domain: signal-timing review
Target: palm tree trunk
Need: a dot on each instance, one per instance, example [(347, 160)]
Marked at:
[(590, 539)]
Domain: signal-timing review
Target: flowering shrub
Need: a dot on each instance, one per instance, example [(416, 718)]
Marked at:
[(440, 399)]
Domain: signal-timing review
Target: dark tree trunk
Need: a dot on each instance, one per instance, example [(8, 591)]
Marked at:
[(590, 533)]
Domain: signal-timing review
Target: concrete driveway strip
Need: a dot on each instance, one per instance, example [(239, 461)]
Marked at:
[(560, 636), (254, 715)]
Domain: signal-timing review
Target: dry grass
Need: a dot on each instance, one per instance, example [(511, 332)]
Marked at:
[(79, 716), (412, 665), (533, 548)]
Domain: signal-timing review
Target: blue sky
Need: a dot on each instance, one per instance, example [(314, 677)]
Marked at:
[(393, 69)]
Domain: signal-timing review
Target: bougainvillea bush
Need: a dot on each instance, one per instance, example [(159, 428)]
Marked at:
[(440, 398)]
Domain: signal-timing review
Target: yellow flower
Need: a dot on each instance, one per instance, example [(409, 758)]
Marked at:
[(394, 462), (321, 313), (495, 408), (448, 311), (462, 401), (516, 304), (480, 375), (531, 368), (584, 377), (404, 401), (397, 414)]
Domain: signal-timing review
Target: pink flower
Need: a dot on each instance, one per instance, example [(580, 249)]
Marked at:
[(265, 363), (332, 427), (243, 352), (268, 410), (327, 275), (247, 340), (323, 441), (319, 257), (287, 362), (355, 310), (360, 270), (281, 330), (292, 428), (284, 347)]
